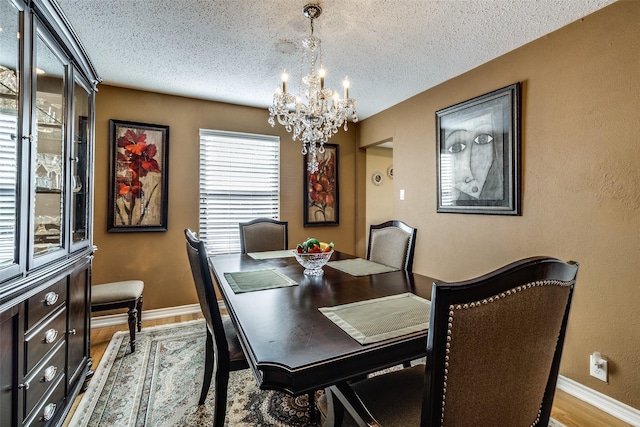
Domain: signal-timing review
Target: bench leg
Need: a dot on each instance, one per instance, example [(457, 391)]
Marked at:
[(139, 308), (133, 320)]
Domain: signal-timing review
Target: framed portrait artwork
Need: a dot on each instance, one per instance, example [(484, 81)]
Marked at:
[(138, 181), (478, 154), (321, 198)]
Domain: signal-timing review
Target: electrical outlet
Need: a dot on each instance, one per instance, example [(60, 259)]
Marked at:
[(598, 366)]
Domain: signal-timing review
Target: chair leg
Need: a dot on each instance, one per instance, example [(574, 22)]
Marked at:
[(220, 397), (335, 410), (313, 410), (344, 394), (209, 358), (133, 319), (139, 308)]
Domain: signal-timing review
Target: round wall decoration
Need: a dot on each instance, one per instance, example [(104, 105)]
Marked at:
[(377, 178), (390, 172)]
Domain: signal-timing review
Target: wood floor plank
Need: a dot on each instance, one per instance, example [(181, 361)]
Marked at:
[(567, 409)]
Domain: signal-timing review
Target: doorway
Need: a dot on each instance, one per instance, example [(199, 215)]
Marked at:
[(379, 185)]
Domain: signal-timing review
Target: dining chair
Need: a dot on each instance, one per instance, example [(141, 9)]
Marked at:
[(223, 351), (263, 234), (392, 243), (493, 354)]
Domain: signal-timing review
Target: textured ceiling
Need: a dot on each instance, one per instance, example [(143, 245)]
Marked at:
[(234, 51)]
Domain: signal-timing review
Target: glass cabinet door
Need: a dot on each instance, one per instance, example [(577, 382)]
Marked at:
[(50, 162), (10, 19), (79, 163)]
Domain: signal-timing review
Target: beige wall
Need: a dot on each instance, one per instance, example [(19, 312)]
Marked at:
[(379, 197), (159, 258), (580, 176), (581, 198)]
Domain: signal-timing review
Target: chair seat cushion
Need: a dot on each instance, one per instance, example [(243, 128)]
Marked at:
[(394, 398), (108, 293)]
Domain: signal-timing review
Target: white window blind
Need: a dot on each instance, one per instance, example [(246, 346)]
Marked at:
[(8, 186), (239, 181)]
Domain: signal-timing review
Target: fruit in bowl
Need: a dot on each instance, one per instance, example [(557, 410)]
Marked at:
[(313, 246), (313, 255)]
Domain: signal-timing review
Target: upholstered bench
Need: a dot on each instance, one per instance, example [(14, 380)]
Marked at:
[(125, 294)]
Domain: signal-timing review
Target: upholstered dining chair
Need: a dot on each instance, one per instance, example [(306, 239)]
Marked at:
[(223, 351), (392, 243), (493, 354), (263, 234)]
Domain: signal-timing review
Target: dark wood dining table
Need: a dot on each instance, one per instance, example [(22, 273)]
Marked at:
[(290, 345)]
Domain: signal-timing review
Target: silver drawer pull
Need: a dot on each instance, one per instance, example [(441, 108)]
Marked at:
[(50, 336), (72, 332), (49, 374), (50, 298), (23, 386), (48, 412)]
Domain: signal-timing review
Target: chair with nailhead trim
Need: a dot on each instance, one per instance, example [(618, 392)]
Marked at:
[(263, 234), (392, 243), (493, 355)]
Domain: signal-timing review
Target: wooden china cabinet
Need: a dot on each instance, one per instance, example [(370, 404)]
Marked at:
[(47, 86)]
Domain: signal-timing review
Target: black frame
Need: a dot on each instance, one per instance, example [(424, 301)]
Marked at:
[(311, 207), (473, 126), (116, 221)]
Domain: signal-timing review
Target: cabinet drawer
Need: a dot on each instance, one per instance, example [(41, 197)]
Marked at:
[(43, 339), (49, 407), (44, 377), (46, 302)]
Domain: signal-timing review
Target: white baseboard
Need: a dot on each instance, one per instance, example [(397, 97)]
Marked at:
[(601, 401), (594, 398), (120, 318)]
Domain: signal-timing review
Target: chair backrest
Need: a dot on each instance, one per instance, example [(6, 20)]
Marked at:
[(392, 243), (197, 253), (263, 234), (495, 343)]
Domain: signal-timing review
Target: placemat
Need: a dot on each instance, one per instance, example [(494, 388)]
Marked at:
[(360, 267), (381, 318), (271, 254), (257, 280)]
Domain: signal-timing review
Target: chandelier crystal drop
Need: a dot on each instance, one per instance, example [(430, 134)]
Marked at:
[(316, 113)]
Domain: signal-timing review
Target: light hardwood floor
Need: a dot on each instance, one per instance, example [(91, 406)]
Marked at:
[(567, 409)]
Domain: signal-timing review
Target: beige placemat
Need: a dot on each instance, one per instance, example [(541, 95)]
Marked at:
[(361, 267), (257, 280), (271, 254), (381, 318)]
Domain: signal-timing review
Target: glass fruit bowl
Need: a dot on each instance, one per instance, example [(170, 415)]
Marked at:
[(313, 262)]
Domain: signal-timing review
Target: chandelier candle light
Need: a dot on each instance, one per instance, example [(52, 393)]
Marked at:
[(318, 117)]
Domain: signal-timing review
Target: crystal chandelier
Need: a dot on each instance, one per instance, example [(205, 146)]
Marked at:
[(318, 117)]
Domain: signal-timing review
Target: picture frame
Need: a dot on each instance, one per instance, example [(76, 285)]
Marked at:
[(139, 178), (321, 196), (478, 154)]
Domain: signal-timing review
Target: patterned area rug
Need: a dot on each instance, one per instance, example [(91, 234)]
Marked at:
[(160, 383)]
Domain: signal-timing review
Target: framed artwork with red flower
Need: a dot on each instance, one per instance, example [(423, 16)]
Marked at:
[(138, 180), (321, 188)]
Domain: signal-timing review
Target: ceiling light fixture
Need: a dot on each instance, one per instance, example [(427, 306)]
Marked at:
[(318, 117)]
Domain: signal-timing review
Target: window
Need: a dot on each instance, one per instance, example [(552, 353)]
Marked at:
[(239, 181), (8, 186)]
